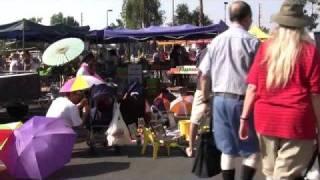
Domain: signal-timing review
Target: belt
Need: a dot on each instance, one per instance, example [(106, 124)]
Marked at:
[(229, 95)]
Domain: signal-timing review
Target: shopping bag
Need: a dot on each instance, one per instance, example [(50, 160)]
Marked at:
[(117, 133), (207, 159)]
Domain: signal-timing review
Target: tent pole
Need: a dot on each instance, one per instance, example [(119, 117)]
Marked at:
[(23, 34), (129, 51)]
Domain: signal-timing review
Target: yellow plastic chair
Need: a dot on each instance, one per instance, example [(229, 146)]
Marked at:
[(184, 127), (151, 138)]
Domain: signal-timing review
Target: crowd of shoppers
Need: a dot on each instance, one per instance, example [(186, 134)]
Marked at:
[(20, 61)]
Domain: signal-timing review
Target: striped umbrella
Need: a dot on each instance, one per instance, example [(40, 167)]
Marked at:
[(80, 83)]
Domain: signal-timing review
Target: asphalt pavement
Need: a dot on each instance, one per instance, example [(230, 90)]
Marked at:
[(107, 164)]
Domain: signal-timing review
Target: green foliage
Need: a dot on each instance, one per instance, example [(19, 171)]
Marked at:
[(60, 19), (195, 18), (141, 13), (36, 19), (119, 24), (184, 16)]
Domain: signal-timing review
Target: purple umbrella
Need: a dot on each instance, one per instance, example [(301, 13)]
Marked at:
[(39, 148)]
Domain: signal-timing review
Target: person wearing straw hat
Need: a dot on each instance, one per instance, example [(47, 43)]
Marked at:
[(284, 92)]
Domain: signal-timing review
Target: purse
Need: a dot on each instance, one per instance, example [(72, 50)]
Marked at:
[(207, 159)]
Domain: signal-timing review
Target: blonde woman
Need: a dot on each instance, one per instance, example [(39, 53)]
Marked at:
[(284, 91)]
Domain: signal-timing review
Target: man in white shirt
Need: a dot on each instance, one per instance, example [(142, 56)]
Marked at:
[(68, 108)]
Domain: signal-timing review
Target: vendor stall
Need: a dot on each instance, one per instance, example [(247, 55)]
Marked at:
[(180, 73)]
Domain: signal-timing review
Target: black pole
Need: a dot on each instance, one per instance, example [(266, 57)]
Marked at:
[(201, 13), (23, 33)]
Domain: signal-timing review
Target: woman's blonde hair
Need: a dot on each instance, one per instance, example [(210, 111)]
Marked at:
[(282, 54)]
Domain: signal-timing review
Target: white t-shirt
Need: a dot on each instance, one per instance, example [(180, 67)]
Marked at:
[(14, 65), (63, 108)]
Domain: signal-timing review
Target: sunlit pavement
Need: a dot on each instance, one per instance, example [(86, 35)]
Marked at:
[(105, 163)]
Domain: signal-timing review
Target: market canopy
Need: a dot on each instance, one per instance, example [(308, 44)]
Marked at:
[(31, 31), (186, 31)]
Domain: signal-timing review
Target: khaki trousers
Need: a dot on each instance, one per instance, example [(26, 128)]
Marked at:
[(285, 159)]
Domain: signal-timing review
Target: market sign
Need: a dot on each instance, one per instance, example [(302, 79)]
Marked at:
[(184, 70)]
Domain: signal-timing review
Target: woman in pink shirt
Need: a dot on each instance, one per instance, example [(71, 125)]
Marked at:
[(88, 66)]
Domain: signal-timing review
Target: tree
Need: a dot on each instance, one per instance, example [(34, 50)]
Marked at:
[(69, 20), (119, 24), (36, 19), (57, 19), (60, 19), (184, 16), (141, 13), (195, 18)]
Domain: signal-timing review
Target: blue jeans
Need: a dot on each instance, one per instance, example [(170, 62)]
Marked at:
[(226, 122)]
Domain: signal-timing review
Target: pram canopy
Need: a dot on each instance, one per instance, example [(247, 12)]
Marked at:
[(103, 90), (102, 100)]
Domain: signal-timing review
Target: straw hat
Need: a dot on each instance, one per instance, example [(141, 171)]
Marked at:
[(292, 15)]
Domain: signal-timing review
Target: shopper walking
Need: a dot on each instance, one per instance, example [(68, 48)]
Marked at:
[(199, 113), (284, 91), (228, 59)]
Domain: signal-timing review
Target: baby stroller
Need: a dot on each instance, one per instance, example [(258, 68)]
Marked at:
[(102, 99)]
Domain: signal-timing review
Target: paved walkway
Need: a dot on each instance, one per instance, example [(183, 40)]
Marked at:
[(129, 165)]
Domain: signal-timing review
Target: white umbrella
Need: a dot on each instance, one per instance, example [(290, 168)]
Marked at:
[(63, 51)]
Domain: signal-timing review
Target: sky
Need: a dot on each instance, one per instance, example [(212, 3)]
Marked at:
[(94, 11)]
